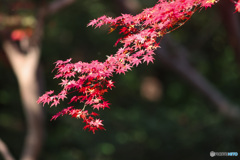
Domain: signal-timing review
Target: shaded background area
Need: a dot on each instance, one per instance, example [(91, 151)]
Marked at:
[(157, 111)]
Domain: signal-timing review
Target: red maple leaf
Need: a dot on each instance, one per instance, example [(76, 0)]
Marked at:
[(148, 59)]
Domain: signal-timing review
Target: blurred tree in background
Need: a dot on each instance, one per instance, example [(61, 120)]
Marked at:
[(182, 107)]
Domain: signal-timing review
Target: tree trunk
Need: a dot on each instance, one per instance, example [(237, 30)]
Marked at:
[(25, 67)]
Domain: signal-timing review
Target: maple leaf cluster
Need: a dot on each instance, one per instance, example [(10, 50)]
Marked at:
[(140, 36), (237, 6)]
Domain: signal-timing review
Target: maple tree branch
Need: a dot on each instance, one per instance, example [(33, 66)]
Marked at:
[(195, 79), (5, 152), (231, 23), (176, 59)]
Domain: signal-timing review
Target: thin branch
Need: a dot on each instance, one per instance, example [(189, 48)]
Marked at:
[(58, 5), (5, 152), (44, 11), (195, 79)]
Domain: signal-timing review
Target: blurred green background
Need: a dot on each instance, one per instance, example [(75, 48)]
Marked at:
[(179, 123)]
